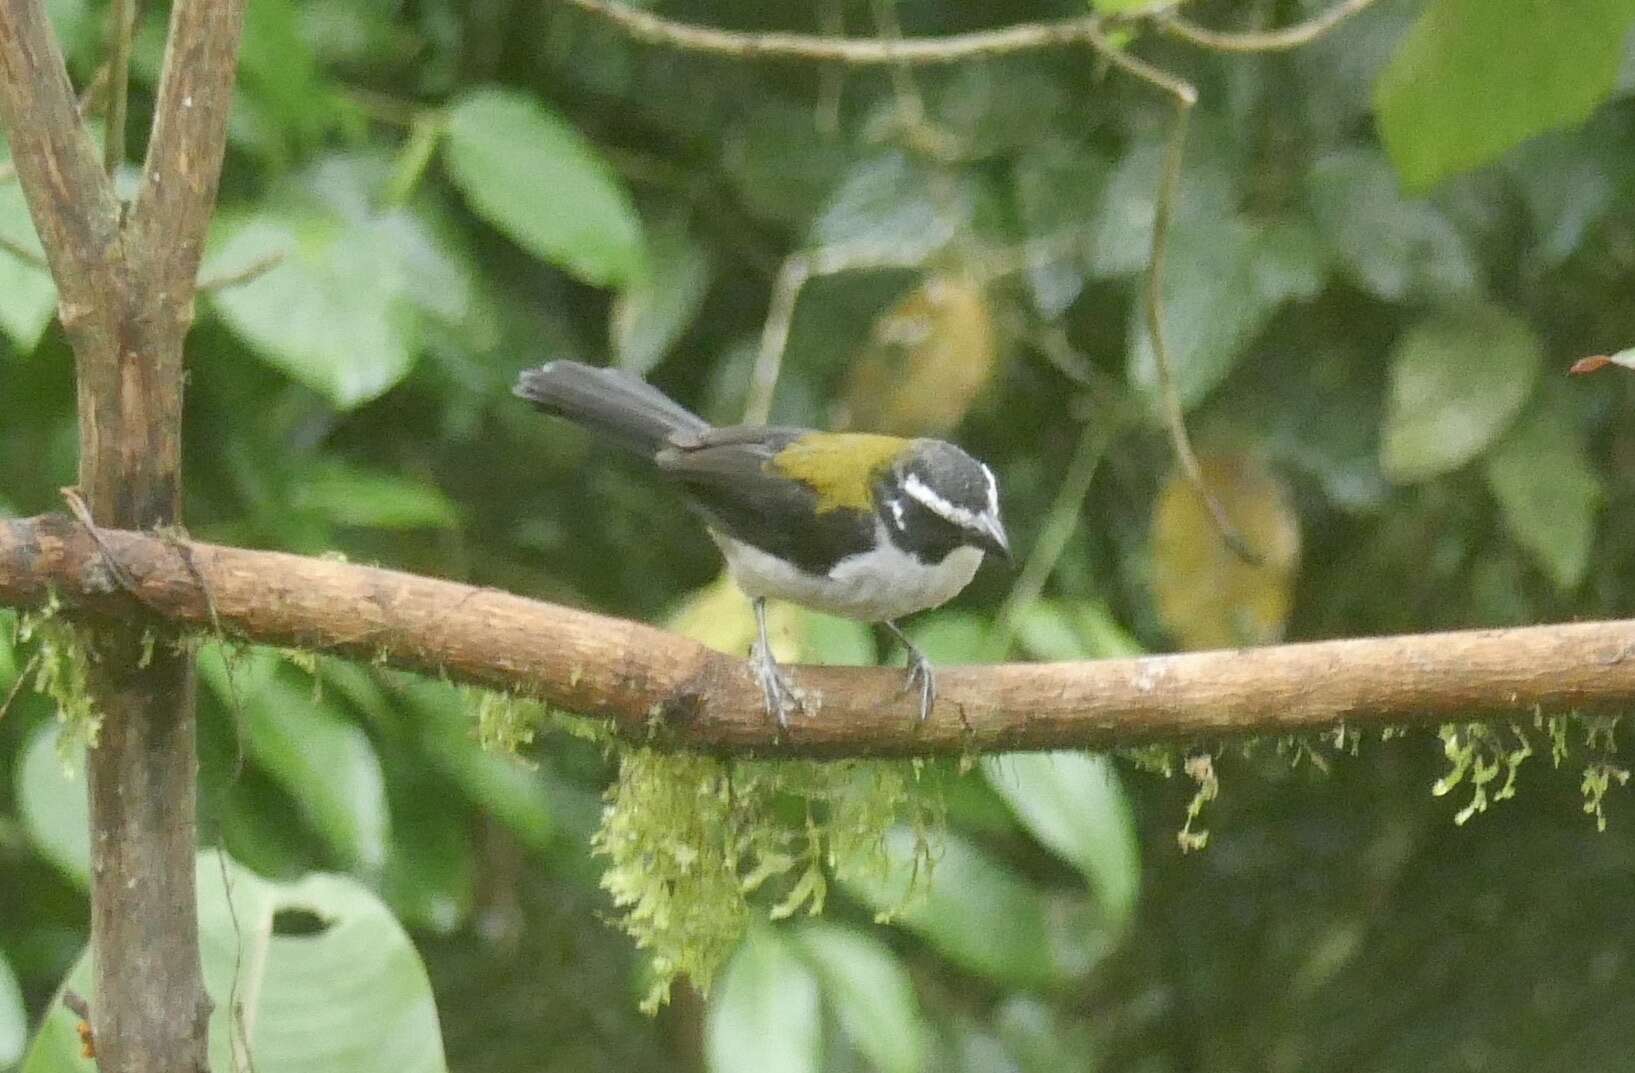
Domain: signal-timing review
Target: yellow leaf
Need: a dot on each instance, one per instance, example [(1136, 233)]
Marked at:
[(1207, 596), (928, 359)]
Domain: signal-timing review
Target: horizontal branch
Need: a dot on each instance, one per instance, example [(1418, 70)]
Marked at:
[(657, 685), (856, 51)]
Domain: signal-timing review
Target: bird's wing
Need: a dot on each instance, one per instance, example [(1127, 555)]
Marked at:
[(729, 475)]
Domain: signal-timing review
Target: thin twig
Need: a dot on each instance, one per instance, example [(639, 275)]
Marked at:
[(238, 277), (82, 514), (798, 270), (1169, 182), (860, 52), (1260, 41), (122, 27), (1094, 440), (17, 686)]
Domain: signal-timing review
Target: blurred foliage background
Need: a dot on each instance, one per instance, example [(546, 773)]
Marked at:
[(1388, 246)]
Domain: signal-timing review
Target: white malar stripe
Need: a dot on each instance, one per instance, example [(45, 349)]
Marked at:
[(896, 506), (936, 504)]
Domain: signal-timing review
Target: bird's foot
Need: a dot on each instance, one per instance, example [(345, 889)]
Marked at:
[(920, 674), (776, 688)]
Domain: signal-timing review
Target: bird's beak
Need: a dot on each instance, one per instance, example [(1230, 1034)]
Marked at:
[(991, 538)]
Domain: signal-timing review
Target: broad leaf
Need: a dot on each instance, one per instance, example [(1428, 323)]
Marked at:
[(51, 799), (306, 977), (530, 174), (1475, 77), (1207, 595), (344, 310), (656, 308), (1028, 939), (13, 1016), (870, 992), (323, 760), (1058, 193), (28, 299), (1073, 804), (1457, 381), (351, 495), (1548, 491), (1394, 247), (764, 1015)]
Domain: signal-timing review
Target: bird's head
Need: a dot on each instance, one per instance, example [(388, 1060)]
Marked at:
[(937, 496)]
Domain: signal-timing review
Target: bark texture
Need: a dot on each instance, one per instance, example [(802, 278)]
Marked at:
[(124, 278), (659, 687)]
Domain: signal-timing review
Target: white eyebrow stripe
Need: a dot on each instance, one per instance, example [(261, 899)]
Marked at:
[(993, 491), (938, 505)]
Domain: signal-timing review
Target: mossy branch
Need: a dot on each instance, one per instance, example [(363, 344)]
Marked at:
[(671, 692)]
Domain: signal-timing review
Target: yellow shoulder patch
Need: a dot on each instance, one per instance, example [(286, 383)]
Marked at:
[(840, 467)]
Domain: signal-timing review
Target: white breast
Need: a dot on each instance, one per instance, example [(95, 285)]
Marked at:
[(885, 583)]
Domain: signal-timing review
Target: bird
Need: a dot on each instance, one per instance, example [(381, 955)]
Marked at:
[(859, 525)]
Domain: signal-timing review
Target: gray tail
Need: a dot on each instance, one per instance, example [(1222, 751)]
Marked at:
[(616, 405)]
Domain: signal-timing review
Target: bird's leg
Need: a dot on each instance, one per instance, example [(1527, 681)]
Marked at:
[(779, 694), (919, 672)]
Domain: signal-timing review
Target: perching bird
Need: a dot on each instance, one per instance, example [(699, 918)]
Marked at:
[(862, 526)]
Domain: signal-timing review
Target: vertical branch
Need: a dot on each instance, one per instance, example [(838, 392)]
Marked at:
[(122, 27), (126, 300)]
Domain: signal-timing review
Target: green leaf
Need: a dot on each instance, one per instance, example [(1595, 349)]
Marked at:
[(1058, 192), (1214, 305), (953, 637), (281, 77), (51, 801), (869, 990), (530, 174), (351, 495), (654, 311), (311, 977), (321, 758), (502, 785), (1394, 247), (1073, 804), (28, 298), (1051, 630), (344, 310), (1458, 379), (896, 205), (1548, 490), (1475, 77), (13, 1016), (1026, 939), (764, 1016)]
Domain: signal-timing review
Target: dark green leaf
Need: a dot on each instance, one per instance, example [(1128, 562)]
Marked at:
[(350, 495), (530, 174), (320, 758), (1394, 247), (344, 992), (1548, 490), (870, 992), (1027, 939), (1475, 77), (1073, 804), (1058, 193), (763, 1014), (1457, 381)]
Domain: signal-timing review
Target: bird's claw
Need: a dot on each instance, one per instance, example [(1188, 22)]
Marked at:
[(919, 672), (776, 688)]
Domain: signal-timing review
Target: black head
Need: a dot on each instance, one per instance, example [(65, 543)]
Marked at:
[(937, 498)]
